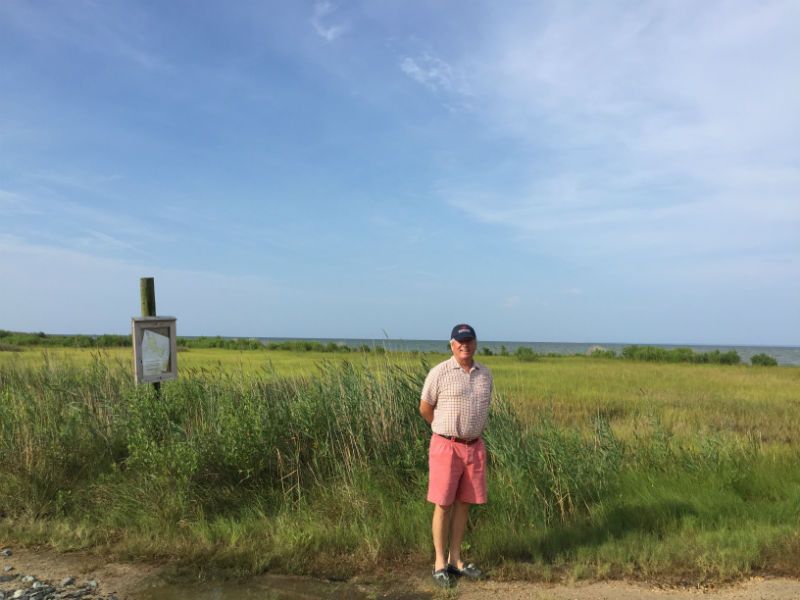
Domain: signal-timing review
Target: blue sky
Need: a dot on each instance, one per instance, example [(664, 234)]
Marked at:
[(546, 171)]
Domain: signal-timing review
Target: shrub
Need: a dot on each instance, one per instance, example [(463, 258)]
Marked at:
[(65, 341), (526, 354), (683, 354), (109, 340), (82, 341), (763, 360), (486, 351), (602, 353), (629, 352), (727, 358)]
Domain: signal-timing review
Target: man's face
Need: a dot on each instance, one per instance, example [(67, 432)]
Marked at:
[(465, 349)]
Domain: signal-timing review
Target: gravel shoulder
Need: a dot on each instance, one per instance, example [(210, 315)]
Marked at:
[(127, 581), (119, 580)]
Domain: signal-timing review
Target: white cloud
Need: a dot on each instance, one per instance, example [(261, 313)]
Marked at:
[(430, 71), (322, 10), (639, 128)]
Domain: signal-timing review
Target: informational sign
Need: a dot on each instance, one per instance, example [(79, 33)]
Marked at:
[(155, 349)]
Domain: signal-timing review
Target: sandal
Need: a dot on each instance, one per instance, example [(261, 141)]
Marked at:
[(469, 571), (443, 578)]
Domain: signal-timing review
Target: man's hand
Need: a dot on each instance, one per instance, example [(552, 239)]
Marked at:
[(426, 410)]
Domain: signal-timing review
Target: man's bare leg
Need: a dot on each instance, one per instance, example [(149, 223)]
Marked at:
[(458, 525), (441, 527)]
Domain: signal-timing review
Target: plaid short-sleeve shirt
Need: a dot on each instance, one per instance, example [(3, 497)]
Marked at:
[(460, 399)]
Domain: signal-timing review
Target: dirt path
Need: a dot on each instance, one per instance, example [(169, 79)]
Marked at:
[(127, 581), (120, 579), (753, 589)]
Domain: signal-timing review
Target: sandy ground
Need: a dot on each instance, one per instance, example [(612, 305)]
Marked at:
[(753, 589), (128, 581), (121, 580)]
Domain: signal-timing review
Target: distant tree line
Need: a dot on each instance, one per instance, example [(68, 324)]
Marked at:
[(255, 344), (10, 339), (646, 354), (683, 355)]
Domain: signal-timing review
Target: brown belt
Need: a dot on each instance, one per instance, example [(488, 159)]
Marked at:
[(459, 440)]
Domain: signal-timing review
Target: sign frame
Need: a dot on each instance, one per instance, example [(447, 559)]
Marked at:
[(165, 326)]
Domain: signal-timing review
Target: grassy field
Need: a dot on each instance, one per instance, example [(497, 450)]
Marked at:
[(687, 398), (316, 463)]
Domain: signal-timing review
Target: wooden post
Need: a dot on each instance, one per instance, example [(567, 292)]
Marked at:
[(147, 291)]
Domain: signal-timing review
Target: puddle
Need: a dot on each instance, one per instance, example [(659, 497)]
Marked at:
[(274, 587)]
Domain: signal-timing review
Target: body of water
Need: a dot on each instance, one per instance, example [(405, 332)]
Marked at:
[(785, 355)]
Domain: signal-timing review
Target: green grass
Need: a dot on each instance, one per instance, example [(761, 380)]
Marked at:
[(736, 399), (316, 463)]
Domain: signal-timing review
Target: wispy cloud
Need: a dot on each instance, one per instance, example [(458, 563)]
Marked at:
[(99, 294), (321, 21), (430, 71), (386, 268), (634, 129), (98, 240), (75, 179), (12, 203), (511, 302), (116, 31), (634, 151), (92, 223)]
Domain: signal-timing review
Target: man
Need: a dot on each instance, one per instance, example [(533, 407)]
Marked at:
[(455, 402)]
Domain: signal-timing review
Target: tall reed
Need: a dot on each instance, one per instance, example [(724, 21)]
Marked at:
[(262, 470)]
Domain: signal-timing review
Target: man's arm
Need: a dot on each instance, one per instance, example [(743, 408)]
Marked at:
[(426, 410)]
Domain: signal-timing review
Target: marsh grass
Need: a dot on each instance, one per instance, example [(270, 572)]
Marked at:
[(735, 400), (600, 468)]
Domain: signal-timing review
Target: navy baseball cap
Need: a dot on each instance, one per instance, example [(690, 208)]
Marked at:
[(462, 332)]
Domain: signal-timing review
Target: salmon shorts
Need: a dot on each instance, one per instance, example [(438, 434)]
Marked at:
[(457, 472)]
